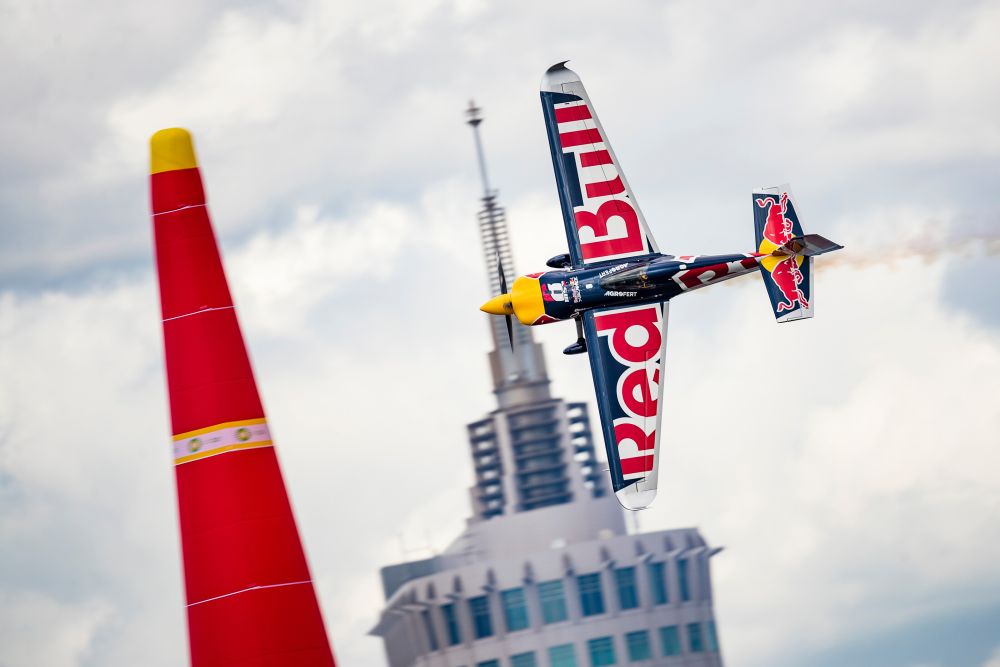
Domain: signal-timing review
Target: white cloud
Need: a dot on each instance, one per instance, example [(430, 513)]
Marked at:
[(994, 659), (37, 631)]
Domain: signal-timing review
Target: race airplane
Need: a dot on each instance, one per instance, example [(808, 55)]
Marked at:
[(616, 284)]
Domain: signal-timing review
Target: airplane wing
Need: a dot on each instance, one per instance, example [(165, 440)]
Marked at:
[(603, 221), (626, 347)]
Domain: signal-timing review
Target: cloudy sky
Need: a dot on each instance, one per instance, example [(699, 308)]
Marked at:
[(849, 464)]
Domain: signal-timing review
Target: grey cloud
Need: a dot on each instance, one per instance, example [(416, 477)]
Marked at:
[(354, 106)]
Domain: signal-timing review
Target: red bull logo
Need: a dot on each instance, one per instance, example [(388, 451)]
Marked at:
[(634, 340), (608, 224), (787, 276), (778, 229)]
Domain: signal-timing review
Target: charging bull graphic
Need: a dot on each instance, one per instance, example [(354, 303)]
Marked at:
[(778, 228), (788, 277), (616, 284)]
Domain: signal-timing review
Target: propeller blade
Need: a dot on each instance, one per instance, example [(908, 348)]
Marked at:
[(503, 290), (503, 279)]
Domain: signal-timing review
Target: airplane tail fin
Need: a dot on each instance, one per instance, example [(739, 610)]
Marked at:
[(787, 263)]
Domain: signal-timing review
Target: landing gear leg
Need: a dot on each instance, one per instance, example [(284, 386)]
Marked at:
[(580, 346)]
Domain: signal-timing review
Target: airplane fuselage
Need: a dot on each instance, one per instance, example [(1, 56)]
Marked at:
[(562, 294)]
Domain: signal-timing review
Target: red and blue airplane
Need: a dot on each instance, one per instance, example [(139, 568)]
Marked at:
[(616, 284)]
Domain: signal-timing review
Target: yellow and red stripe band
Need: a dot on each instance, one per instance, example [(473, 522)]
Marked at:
[(221, 438)]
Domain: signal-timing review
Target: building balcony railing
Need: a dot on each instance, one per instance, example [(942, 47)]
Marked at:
[(540, 467), (530, 440), (526, 454), (543, 490), (526, 486), (487, 496), (483, 466)]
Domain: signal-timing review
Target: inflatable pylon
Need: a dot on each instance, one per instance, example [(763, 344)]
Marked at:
[(250, 597)]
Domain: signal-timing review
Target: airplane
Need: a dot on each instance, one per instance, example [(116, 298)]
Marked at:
[(616, 284)]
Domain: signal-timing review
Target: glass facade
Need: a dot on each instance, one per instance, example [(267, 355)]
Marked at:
[(515, 612), (638, 646), (479, 609), (682, 579), (562, 656), (628, 597), (670, 640), (700, 638), (602, 651), (553, 600), (658, 582), (695, 642), (591, 595), (451, 624)]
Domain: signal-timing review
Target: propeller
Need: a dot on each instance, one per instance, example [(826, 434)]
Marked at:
[(503, 290)]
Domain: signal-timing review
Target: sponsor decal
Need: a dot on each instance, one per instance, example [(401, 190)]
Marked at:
[(607, 223), (221, 438), (574, 289), (635, 342), (554, 291), (614, 293), (613, 269)]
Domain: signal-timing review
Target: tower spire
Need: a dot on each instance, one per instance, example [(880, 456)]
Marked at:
[(519, 374), (475, 118)]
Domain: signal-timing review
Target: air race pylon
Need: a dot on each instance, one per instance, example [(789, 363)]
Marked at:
[(250, 598)]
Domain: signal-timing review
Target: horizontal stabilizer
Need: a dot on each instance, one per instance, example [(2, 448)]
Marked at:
[(808, 245)]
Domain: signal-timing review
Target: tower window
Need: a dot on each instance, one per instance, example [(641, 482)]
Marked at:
[(628, 598), (670, 640), (562, 656), (591, 595), (451, 624), (429, 626), (658, 582), (682, 579), (713, 639), (550, 593), (602, 651), (523, 659), (514, 609), (479, 609), (638, 646), (695, 641)]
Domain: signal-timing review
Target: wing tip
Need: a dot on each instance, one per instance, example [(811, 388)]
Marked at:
[(631, 498), (556, 76)]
